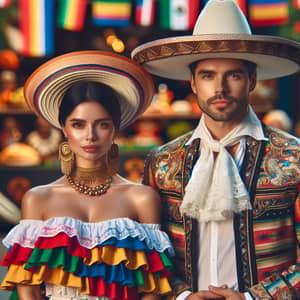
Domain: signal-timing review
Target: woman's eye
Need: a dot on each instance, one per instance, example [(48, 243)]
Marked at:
[(77, 125), (105, 125)]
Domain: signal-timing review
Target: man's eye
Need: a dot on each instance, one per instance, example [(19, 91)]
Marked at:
[(236, 76), (206, 76)]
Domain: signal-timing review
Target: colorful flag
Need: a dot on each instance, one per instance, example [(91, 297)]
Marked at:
[(4, 3), (37, 27), (268, 12), (71, 14), (296, 4), (111, 12), (178, 14), (243, 5), (144, 13)]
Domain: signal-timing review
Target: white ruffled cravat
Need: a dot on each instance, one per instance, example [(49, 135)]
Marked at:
[(215, 189)]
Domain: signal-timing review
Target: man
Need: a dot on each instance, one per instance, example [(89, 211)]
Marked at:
[(229, 188)]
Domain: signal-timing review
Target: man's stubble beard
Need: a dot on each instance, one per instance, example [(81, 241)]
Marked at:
[(222, 115)]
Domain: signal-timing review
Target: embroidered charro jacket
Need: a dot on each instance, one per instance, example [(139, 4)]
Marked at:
[(266, 237)]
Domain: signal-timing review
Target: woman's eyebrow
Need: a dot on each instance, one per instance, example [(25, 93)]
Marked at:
[(97, 120)]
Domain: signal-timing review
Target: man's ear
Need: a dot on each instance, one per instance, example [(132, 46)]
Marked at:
[(253, 81), (192, 81)]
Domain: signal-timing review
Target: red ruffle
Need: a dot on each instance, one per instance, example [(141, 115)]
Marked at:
[(16, 255), (62, 240), (111, 290)]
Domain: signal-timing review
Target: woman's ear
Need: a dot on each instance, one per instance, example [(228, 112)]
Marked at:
[(64, 132)]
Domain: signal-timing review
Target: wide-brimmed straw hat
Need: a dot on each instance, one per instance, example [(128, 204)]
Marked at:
[(221, 31), (45, 88)]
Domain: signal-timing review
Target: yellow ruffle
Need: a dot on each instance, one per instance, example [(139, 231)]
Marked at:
[(18, 275), (113, 256), (155, 284)]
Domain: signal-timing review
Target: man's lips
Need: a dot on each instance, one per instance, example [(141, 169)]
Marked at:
[(221, 103), (220, 99)]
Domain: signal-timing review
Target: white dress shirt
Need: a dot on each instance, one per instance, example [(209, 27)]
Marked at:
[(217, 261)]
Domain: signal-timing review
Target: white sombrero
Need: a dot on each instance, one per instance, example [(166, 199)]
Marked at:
[(221, 31), (46, 86)]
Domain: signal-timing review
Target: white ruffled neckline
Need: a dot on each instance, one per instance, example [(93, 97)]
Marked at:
[(63, 219), (89, 235)]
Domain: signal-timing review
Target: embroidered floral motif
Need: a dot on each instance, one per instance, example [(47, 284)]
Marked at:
[(168, 165), (281, 162)]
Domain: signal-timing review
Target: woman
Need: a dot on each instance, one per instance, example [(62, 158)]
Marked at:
[(91, 234)]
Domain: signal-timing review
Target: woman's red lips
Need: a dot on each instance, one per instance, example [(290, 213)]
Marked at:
[(90, 148)]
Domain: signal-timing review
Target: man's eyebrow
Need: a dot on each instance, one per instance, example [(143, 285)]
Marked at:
[(236, 71), (205, 71)]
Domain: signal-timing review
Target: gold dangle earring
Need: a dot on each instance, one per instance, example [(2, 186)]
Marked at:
[(113, 159), (66, 156)]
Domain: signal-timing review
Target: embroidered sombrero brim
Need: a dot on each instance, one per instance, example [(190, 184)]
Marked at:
[(46, 86), (170, 57), (221, 31)]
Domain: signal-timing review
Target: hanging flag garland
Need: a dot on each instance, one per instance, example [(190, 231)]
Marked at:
[(111, 12), (71, 14), (37, 27), (178, 14), (268, 12), (37, 16), (145, 12)]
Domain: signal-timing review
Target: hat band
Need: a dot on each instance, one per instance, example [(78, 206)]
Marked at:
[(85, 67), (171, 49)]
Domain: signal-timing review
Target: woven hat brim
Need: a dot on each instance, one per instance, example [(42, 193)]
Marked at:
[(45, 88), (170, 57)]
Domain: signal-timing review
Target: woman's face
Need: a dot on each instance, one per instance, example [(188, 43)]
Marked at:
[(90, 132)]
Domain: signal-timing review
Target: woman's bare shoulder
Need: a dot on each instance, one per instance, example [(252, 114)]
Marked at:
[(138, 190), (146, 201), (147, 191), (35, 200)]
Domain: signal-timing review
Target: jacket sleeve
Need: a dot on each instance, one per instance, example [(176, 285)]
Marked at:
[(287, 284), (178, 285)]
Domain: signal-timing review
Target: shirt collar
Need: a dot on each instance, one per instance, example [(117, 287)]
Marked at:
[(253, 128)]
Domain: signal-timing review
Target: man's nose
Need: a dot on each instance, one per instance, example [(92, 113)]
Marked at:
[(221, 84)]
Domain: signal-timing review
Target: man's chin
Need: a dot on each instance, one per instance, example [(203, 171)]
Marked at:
[(221, 116)]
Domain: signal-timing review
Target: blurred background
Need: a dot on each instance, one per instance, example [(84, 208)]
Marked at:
[(33, 31)]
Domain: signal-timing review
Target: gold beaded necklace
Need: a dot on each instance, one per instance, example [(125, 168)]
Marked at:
[(88, 190)]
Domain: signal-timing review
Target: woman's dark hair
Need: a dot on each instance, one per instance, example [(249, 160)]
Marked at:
[(88, 91), (251, 67)]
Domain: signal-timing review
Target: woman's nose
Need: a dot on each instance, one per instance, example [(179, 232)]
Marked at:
[(91, 134)]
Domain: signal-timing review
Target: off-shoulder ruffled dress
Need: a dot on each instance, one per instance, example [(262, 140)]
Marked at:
[(113, 259)]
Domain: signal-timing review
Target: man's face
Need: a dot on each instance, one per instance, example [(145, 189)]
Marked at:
[(222, 87)]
